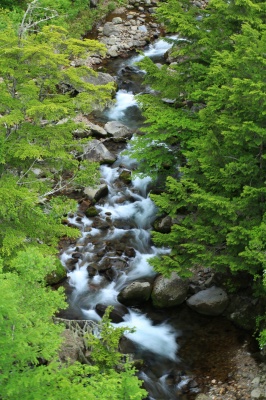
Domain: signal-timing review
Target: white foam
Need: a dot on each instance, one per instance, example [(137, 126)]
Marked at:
[(124, 100), (159, 339)]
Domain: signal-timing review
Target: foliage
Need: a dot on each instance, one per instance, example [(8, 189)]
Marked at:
[(37, 147), (30, 342)]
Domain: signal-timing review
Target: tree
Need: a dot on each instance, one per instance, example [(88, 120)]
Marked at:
[(171, 114), (30, 342), (36, 132)]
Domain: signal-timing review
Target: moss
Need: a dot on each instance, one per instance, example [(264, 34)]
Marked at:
[(58, 275)]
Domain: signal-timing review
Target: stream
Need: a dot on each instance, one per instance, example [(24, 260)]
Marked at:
[(178, 347)]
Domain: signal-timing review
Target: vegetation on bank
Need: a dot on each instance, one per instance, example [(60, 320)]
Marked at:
[(40, 95), (208, 144)]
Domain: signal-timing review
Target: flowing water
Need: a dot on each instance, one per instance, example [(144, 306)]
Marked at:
[(160, 337)]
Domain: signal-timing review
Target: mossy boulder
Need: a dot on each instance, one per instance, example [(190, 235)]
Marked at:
[(91, 212), (58, 275)]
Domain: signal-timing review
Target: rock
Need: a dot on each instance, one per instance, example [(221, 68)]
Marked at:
[(95, 151), (91, 212), (96, 193), (118, 131), (110, 28), (98, 223), (135, 293), (98, 79), (242, 312), (163, 225), (168, 292), (130, 252), (96, 130), (117, 20), (116, 315), (72, 347), (125, 176), (202, 396), (256, 381), (56, 276), (212, 301), (257, 394)]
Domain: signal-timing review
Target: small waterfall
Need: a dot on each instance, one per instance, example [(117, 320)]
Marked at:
[(129, 212)]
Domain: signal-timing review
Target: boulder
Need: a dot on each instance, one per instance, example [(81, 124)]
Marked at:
[(99, 78), (125, 176), (211, 301), (118, 131), (97, 192), (243, 310), (95, 151), (72, 347), (163, 224), (135, 293), (168, 292), (110, 28), (56, 276), (117, 313), (96, 130)]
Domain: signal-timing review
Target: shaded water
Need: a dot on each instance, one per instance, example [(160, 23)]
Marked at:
[(176, 345)]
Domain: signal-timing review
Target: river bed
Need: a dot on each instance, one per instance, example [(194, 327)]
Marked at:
[(181, 350)]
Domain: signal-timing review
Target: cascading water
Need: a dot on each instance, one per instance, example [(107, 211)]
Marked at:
[(130, 214), (127, 213)]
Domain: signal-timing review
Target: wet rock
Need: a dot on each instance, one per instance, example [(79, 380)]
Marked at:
[(125, 176), (118, 131), (94, 150), (91, 212), (91, 270), (212, 301), (130, 252), (98, 223), (71, 264), (96, 193), (135, 293), (76, 255), (168, 292), (116, 315)]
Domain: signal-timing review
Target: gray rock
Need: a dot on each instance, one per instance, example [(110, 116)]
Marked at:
[(97, 152), (96, 193), (256, 381), (168, 292), (96, 129), (257, 394), (202, 396), (111, 29), (72, 347), (113, 51), (100, 78), (212, 301), (135, 293), (117, 20), (118, 131)]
